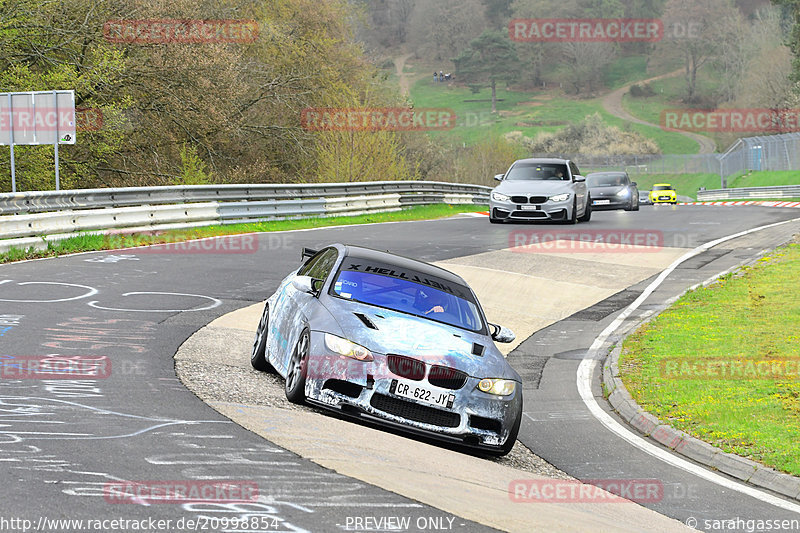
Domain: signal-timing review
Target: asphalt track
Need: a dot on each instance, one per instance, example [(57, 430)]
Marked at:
[(62, 442)]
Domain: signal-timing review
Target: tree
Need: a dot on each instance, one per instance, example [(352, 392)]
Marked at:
[(702, 36), (445, 27), (488, 59), (792, 9)]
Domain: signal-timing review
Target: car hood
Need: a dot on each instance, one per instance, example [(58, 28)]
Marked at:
[(606, 191), (542, 187), (419, 338)]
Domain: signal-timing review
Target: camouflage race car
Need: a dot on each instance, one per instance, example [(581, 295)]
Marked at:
[(391, 340)]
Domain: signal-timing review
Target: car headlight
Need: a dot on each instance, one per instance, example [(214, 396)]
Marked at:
[(623, 192), (346, 348), (499, 197), (500, 387), (560, 197)]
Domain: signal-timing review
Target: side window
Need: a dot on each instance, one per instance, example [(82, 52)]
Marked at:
[(321, 268), (309, 264)]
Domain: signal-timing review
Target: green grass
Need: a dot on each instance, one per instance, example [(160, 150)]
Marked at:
[(745, 318), (94, 241), (766, 178), (528, 112), (625, 70), (684, 184)]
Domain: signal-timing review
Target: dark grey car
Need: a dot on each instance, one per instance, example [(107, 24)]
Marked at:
[(393, 340), (613, 190)]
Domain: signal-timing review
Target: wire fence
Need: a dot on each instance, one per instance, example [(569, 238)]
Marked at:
[(773, 152)]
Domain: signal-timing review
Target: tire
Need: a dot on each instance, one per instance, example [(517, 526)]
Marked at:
[(493, 220), (259, 358), (636, 207), (574, 218), (587, 213), (630, 205), (295, 385)]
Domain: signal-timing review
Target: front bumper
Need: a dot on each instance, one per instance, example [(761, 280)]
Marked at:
[(610, 202), (476, 419), (663, 199), (549, 210)]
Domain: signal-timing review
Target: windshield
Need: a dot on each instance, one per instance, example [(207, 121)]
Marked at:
[(537, 171), (408, 292), (662, 187), (606, 180)]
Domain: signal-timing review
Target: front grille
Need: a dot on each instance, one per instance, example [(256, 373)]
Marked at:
[(529, 200), (406, 367), (447, 378), (415, 412), (530, 214)]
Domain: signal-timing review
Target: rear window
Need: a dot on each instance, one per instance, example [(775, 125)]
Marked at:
[(606, 180), (662, 188)]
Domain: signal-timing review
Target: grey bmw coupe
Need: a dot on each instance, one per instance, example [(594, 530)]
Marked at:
[(392, 340), (541, 190)]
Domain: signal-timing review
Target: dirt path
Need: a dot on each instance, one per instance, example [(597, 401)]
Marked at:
[(612, 103), (400, 64)]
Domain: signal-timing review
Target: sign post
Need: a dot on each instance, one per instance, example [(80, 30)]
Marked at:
[(35, 118)]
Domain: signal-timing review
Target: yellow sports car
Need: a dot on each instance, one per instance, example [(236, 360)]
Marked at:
[(663, 193)]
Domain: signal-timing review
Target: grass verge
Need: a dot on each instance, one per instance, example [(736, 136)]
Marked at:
[(529, 112), (722, 363), (99, 241)]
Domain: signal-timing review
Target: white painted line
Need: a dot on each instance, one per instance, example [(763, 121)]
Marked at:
[(586, 371)]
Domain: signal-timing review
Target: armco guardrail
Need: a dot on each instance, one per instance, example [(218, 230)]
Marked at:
[(32, 218), (787, 191)]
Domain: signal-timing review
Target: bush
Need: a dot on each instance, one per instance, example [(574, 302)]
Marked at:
[(641, 91), (588, 137)]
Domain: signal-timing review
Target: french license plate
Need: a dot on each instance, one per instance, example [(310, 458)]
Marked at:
[(601, 202), (530, 207), (422, 393)]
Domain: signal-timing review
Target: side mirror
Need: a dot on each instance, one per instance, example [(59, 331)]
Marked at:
[(578, 179), (499, 177), (307, 284), (501, 334), (308, 252), (634, 184)]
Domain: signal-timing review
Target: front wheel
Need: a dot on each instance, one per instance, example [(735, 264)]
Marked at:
[(259, 356), (506, 448), (573, 219), (298, 367), (587, 213)]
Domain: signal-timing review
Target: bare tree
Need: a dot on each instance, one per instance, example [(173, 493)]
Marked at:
[(700, 36), (585, 62)]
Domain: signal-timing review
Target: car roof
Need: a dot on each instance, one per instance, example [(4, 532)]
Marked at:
[(544, 160), (609, 173), (663, 184), (422, 267)]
